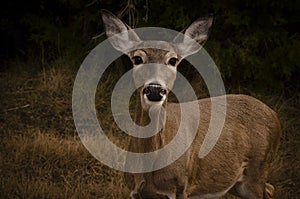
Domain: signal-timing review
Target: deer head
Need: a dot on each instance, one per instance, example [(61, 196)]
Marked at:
[(154, 70)]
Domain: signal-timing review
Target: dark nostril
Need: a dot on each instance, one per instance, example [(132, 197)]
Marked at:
[(146, 91), (163, 92)]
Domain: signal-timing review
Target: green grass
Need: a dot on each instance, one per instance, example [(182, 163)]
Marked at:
[(41, 155)]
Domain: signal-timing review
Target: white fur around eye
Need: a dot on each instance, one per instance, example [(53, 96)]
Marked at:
[(139, 53), (169, 56)]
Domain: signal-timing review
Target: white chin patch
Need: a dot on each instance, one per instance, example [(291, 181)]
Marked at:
[(152, 103)]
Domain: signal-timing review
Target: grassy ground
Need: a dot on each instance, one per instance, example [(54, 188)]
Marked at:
[(41, 155)]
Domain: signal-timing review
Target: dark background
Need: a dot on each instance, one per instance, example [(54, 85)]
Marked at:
[(254, 43)]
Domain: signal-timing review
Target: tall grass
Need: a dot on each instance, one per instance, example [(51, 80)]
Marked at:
[(43, 165), (41, 155)]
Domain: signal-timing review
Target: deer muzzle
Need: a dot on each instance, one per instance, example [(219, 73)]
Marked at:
[(154, 92)]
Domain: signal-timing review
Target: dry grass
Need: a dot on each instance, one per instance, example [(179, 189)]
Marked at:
[(41, 155), (42, 165)]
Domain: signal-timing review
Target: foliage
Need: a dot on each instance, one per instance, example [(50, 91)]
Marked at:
[(254, 43)]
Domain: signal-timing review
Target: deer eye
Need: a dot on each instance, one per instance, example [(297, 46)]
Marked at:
[(137, 60), (173, 61)]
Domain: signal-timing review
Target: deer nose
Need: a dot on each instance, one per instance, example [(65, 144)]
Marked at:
[(154, 92)]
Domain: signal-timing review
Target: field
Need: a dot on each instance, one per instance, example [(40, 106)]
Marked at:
[(41, 155)]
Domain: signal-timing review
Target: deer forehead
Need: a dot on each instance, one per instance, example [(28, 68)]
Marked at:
[(154, 51), (151, 55)]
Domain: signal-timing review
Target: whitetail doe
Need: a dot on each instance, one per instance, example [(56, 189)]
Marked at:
[(240, 160)]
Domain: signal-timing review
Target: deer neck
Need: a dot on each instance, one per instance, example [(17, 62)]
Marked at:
[(142, 118)]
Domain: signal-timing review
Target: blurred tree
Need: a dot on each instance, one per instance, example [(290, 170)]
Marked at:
[(254, 43)]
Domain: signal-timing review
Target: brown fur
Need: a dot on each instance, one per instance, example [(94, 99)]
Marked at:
[(250, 138), (240, 160)]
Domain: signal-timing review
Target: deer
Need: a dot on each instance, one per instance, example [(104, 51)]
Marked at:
[(240, 161)]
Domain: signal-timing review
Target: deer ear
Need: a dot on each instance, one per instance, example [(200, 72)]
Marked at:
[(120, 35), (197, 31)]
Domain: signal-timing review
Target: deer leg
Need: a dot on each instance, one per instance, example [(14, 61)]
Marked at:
[(246, 191), (249, 190)]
